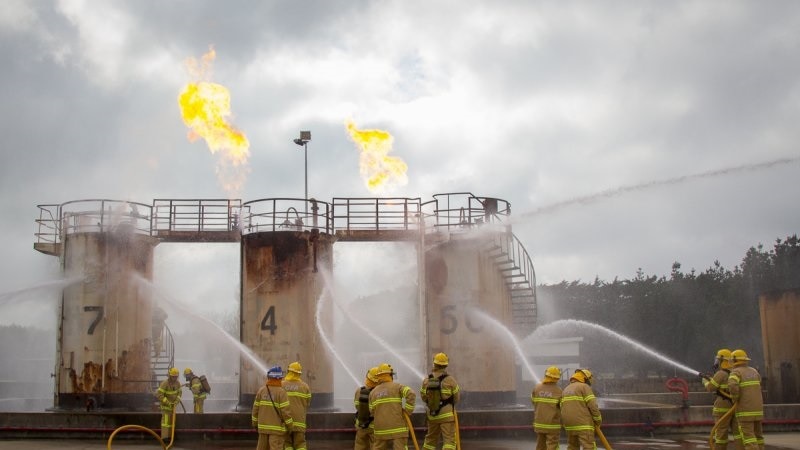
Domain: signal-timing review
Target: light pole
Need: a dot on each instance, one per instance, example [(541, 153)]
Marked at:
[(305, 137)]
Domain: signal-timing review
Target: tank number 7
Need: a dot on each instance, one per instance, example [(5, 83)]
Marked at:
[(99, 310)]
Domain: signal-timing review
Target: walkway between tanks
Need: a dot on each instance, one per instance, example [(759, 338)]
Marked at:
[(774, 441)]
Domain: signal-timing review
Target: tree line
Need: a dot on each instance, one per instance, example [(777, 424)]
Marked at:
[(686, 316)]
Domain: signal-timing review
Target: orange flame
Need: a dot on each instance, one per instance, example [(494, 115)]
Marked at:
[(205, 109), (379, 170)]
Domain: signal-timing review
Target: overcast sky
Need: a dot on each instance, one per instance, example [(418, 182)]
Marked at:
[(625, 134)]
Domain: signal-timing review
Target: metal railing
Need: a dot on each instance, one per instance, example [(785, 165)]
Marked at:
[(195, 215), (286, 214), (376, 214), (464, 210)]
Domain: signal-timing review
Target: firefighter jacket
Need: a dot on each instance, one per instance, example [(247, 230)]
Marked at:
[(197, 388), (271, 413), (547, 415), (386, 405), (169, 393), (579, 411), (449, 395), (299, 398), (745, 386), (719, 385)]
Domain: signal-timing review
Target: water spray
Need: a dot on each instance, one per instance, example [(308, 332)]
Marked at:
[(331, 348), (616, 335), (609, 193), (508, 334), (243, 349)]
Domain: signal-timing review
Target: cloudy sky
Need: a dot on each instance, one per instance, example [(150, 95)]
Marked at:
[(625, 134)]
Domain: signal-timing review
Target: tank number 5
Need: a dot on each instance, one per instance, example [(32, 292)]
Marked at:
[(449, 322)]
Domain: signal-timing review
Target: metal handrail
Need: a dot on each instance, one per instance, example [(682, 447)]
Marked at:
[(462, 210), (376, 213), (286, 214), (196, 215)]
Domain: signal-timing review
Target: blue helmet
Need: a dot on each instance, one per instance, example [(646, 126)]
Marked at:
[(275, 372)]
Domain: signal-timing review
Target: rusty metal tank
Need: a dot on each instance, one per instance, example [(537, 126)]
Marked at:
[(780, 314), (283, 245), (105, 332)]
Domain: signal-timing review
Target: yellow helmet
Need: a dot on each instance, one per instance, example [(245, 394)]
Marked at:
[(372, 374), (722, 359), (723, 353), (187, 371), (553, 373), (440, 359), (738, 357), (295, 367), (385, 368), (582, 375), (173, 371)]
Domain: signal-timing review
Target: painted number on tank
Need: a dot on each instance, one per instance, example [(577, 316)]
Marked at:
[(268, 322), (449, 322), (99, 310)]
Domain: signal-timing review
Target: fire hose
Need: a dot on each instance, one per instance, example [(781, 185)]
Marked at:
[(717, 424), (602, 437), (458, 434), (153, 433), (411, 429)]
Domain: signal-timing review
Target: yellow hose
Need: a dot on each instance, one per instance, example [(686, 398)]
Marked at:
[(411, 429), (716, 426), (458, 434), (602, 437), (153, 433)]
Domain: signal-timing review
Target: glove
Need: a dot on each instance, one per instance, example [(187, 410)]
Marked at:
[(703, 376)]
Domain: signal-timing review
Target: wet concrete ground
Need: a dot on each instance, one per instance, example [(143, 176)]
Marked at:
[(774, 441)]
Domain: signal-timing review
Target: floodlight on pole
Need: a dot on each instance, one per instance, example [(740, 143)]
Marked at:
[(305, 137)]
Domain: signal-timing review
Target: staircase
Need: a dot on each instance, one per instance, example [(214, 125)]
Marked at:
[(161, 359), (516, 267)]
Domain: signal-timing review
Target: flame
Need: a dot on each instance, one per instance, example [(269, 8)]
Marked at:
[(205, 109), (379, 170)]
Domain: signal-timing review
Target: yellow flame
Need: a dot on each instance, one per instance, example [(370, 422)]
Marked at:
[(379, 170), (205, 109)]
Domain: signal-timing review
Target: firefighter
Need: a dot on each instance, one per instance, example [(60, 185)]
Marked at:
[(546, 414), (388, 402), (440, 392), (299, 398), (579, 412), (744, 384), (195, 384), (365, 437), (718, 384), (168, 395), (271, 413)]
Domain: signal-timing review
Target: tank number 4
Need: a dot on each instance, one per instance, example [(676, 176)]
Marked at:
[(268, 322)]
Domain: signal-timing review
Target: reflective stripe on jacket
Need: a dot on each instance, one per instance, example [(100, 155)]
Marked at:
[(745, 386), (268, 402), (299, 399), (387, 402)]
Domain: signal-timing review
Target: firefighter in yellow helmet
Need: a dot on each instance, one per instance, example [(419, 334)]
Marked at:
[(365, 437), (387, 403), (718, 384), (195, 384), (271, 413), (440, 392), (546, 414), (744, 384), (579, 412), (168, 395), (299, 399)]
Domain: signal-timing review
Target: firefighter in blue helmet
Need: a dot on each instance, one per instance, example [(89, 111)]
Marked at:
[(271, 414)]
